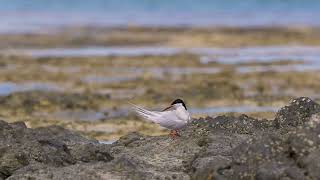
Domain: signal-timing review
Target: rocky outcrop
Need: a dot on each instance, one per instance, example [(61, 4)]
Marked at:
[(22, 149), (209, 148)]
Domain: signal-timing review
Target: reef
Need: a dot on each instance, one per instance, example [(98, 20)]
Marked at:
[(224, 147)]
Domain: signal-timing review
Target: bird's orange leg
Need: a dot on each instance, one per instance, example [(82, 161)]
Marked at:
[(174, 134)]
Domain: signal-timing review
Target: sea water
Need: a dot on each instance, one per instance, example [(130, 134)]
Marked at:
[(20, 16)]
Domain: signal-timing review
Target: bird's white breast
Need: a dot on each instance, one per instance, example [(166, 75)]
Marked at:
[(182, 113)]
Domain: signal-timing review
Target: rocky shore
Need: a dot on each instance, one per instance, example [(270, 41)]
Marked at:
[(81, 78), (224, 147)]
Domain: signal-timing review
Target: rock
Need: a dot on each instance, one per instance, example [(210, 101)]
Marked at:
[(224, 147), (44, 172), (297, 113), (50, 146), (240, 125), (275, 156), (30, 101)]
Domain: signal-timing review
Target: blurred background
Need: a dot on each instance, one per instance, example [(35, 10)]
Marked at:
[(78, 63)]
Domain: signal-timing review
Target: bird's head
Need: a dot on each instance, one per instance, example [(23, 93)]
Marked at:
[(179, 101)]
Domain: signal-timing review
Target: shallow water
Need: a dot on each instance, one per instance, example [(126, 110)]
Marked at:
[(310, 55), (85, 115), (74, 115), (7, 88), (108, 79), (259, 54), (222, 55), (160, 72), (235, 109), (107, 142), (93, 51)]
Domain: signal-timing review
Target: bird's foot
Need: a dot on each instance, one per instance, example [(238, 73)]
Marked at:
[(174, 133)]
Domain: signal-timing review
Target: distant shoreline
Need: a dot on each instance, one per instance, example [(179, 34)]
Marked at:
[(160, 27), (84, 36)]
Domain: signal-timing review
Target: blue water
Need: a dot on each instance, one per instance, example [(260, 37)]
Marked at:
[(31, 15)]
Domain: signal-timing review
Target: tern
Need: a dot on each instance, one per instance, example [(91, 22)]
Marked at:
[(174, 117)]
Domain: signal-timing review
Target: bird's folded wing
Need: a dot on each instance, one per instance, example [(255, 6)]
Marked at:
[(170, 108), (166, 119), (169, 119)]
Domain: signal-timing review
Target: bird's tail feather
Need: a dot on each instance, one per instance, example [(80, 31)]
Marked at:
[(149, 115)]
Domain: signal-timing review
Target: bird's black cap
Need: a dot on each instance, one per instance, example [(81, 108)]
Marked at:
[(177, 101)]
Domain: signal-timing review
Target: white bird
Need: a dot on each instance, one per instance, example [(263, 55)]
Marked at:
[(173, 117)]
